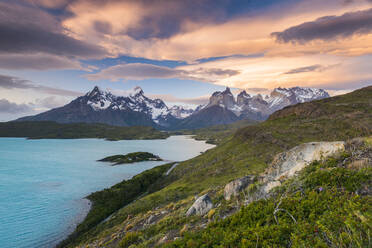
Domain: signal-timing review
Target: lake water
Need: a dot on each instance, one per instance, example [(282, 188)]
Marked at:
[(43, 182)]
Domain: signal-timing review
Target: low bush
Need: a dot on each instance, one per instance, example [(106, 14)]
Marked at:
[(319, 208)]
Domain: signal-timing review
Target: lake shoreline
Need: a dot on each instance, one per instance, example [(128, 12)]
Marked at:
[(91, 202)]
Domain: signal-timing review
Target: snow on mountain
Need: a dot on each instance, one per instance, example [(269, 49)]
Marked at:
[(99, 99), (134, 108), (135, 100), (259, 107), (180, 112)]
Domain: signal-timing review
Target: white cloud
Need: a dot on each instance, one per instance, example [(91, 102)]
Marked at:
[(139, 71)]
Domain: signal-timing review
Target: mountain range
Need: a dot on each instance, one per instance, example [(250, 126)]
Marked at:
[(318, 154), (136, 109)]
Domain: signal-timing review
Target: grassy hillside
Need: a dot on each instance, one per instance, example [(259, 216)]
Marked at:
[(216, 134), (248, 151), (327, 205), (53, 130)]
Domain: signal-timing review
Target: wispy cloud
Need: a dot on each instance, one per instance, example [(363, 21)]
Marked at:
[(14, 108), (328, 28), (9, 82), (312, 68), (139, 71), (38, 61)]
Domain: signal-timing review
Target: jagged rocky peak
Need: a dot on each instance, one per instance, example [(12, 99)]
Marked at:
[(227, 91), (244, 94), (260, 107), (99, 99), (136, 91), (224, 98), (95, 92), (243, 98)]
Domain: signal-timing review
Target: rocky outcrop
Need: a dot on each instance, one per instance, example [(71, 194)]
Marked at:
[(286, 164), (235, 187), (243, 98), (201, 206), (224, 98)]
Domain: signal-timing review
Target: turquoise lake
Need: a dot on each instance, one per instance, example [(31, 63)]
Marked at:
[(43, 182)]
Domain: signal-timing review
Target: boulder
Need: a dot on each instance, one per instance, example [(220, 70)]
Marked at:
[(288, 163), (235, 187), (150, 220), (201, 206)]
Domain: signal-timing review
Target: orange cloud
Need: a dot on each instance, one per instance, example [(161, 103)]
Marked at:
[(111, 26)]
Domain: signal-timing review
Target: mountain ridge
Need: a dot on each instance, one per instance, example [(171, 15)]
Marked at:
[(245, 106), (136, 109)]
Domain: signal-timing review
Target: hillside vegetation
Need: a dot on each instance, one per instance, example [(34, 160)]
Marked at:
[(327, 205), (53, 130), (216, 134), (248, 152)]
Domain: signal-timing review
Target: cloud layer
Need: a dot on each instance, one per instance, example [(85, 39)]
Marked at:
[(139, 71), (13, 108), (39, 32), (328, 28), (38, 61), (312, 68), (8, 82)]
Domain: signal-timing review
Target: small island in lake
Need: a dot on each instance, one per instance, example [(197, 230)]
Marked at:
[(131, 158)]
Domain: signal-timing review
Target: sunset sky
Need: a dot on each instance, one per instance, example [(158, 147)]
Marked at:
[(52, 51)]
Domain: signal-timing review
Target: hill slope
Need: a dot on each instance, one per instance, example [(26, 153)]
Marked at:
[(248, 152)]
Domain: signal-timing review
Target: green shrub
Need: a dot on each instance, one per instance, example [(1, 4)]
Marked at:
[(129, 239), (319, 208)]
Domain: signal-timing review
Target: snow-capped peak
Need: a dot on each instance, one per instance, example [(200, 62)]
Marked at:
[(96, 91), (133, 100), (301, 94), (136, 91), (180, 112), (99, 99), (278, 98)]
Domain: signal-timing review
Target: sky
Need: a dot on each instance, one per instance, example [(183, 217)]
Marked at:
[(52, 51)]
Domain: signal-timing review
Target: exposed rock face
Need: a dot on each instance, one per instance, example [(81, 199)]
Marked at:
[(150, 220), (201, 206), (243, 98), (286, 164), (224, 98), (235, 187)]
